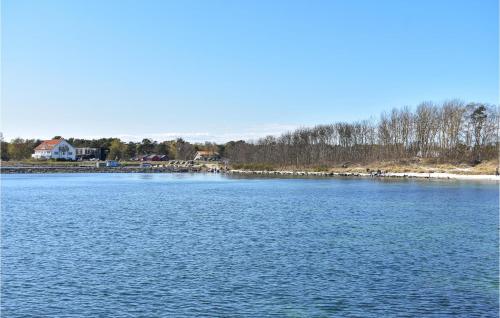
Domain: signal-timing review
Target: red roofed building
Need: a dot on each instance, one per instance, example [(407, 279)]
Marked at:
[(55, 149)]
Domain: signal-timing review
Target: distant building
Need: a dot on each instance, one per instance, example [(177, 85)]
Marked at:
[(137, 158), (85, 153), (206, 156), (55, 149), (152, 158)]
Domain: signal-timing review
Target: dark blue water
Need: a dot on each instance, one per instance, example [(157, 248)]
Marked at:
[(137, 245)]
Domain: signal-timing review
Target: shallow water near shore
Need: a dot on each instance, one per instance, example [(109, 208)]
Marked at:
[(184, 245)]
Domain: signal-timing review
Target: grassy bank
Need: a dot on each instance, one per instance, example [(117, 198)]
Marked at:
[(423, 166)]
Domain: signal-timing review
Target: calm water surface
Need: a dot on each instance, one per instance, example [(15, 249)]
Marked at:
[(139, 245)]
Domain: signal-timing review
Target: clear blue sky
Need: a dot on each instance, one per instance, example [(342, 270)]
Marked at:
[(221, 70)]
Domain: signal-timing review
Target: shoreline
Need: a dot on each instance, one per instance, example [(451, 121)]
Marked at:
[(91, 169), (419, 175), (170, 169)]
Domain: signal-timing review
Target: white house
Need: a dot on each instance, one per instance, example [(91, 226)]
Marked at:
[(55, 149)]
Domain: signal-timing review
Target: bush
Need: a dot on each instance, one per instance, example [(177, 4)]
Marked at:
[(321, 168)]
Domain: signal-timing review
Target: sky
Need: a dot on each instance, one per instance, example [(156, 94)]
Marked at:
[(228, 70)]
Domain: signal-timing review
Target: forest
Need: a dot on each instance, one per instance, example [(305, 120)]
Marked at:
[(452, 131), (449, 132)]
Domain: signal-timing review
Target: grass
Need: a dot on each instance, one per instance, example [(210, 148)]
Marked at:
[(486, 167), (47, 163), (423, 166)]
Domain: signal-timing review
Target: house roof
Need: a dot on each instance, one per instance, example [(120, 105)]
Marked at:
[(48, 144)]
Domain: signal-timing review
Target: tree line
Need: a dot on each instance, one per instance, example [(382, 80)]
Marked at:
[(175, 149), (116, 149), (448, 132)]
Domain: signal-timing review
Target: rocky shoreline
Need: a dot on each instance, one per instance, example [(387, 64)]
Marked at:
[(378, 174), (92, 169), (184, 169)]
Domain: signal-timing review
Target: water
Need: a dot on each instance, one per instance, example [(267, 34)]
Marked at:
[(139, 245)]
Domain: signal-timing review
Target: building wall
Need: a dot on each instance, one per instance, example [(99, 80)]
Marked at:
[(39, 154), (69, 155), (88, 152)]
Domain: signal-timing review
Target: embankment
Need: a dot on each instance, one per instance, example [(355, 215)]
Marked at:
[(433, 175)]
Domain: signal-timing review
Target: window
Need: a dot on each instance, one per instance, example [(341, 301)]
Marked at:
[(56, 152), (70, 153)]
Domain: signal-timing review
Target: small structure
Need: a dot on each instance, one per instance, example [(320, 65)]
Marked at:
[(151, 157), (85, 153), (206, 156), (55, 149), (112, 164), (138, 158)]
